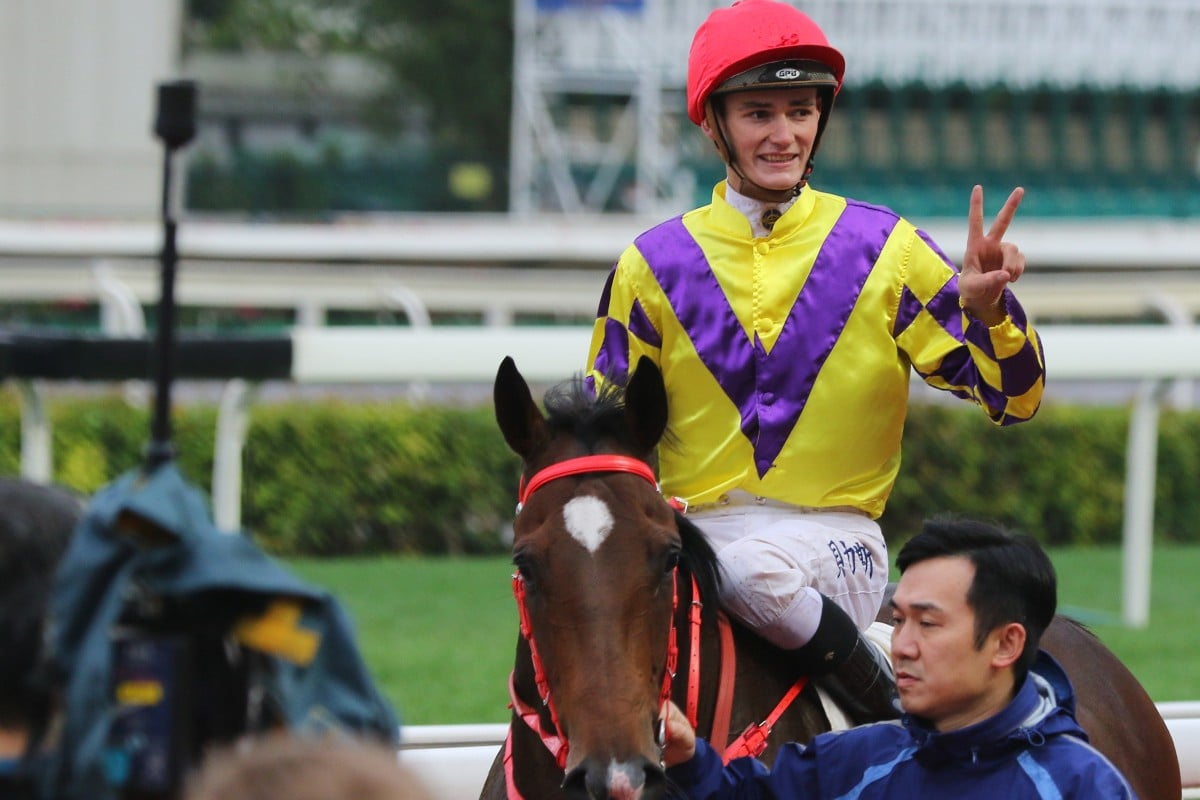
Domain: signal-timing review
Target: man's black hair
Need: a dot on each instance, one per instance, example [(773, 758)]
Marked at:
[(36, 523), (1014, 579)]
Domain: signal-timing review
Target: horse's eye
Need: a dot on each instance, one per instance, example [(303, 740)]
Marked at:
[(524, 571), (672, 560)]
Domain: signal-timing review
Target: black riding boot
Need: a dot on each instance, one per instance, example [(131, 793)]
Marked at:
[(852, 670)]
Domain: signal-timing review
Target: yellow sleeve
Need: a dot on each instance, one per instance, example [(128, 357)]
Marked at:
[(627, 324)]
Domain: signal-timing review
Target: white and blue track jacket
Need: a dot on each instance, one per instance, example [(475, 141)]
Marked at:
[(1034, 748)]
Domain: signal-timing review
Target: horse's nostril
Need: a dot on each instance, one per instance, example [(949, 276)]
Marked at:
[(634, 780), (639, 779)]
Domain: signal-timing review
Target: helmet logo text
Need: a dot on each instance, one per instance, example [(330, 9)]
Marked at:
[(788, 74)]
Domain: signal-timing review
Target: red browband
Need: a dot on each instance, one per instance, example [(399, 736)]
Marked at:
[(581, 466)]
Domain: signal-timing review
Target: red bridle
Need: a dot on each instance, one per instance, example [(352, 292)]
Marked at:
[(584, 465), (555, 743), (753, 739)]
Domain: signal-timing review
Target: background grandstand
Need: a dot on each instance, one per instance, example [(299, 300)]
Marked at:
[(1091, 104)]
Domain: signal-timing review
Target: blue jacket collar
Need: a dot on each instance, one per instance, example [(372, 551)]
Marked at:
[(1043, 707)]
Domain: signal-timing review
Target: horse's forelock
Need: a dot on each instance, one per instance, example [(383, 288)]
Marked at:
[(573, 408)]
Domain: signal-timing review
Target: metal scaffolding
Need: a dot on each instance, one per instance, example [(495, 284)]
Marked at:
[(598, 103)]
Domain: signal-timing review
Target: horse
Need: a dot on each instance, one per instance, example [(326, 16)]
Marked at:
[(616, 591)]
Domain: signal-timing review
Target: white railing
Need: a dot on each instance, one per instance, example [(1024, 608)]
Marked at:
[(1183, 718), (453, 760), (500, 268)]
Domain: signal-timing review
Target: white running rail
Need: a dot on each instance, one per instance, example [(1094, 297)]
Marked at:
[(452, 761)]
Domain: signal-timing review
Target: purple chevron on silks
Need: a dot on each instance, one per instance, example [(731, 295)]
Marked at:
[(1018, 372), (606, 294), (612, 360), (771, 389), (1021, 370), (641, 326), (943, 306)]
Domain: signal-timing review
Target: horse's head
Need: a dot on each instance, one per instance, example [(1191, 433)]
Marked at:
[(595, 548)]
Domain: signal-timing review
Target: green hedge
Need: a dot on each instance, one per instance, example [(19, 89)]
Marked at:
[(324, 478), (1060, 477)]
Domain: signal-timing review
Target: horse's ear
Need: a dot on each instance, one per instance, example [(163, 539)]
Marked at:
[(646, 406), (518, 416)]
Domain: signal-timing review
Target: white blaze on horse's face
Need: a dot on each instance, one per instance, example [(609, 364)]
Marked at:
[(588, 521)]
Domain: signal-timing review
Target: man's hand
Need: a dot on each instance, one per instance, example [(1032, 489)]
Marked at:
[(681, 738), (989, 263)]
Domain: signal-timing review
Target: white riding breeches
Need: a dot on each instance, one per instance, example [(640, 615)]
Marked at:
[(775, 559)]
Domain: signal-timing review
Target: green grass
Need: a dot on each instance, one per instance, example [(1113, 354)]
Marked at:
[(1165, 656), (438, 634)]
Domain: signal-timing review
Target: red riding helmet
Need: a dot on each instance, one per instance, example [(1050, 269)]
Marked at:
[(753, 33), (760, 44)]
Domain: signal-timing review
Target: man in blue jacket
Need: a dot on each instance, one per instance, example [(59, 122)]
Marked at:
[(987, 715)]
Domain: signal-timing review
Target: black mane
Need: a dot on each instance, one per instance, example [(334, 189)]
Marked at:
[(699, 559)]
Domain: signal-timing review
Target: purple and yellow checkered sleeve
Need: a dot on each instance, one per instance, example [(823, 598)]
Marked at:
[(1001, 368)]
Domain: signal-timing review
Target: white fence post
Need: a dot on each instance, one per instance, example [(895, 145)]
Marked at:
[(232, 423), (36, 455), (1141, 453)]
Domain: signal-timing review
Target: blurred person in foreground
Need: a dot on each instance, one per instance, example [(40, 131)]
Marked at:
[(36, 524), (785, 321), (285, 766), (986, 713)]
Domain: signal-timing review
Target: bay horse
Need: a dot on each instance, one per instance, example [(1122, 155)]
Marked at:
[(617, 598)]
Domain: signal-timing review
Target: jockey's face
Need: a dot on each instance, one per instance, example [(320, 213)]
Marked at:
[(771, 134), (943, 674)]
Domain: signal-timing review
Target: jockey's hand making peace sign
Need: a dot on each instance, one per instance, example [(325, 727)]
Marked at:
[(989, 263)]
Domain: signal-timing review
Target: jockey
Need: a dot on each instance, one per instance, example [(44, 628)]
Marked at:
[(785, 321)]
